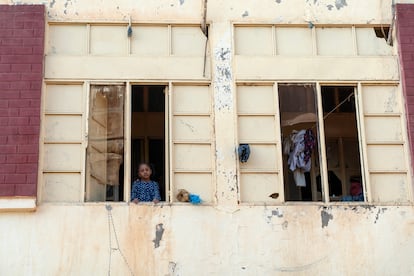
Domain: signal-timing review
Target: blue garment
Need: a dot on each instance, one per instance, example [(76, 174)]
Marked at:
[(244, 152), (195, 199), (145, 190)]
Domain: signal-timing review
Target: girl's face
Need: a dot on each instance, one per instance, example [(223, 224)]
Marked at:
[(144, 172)]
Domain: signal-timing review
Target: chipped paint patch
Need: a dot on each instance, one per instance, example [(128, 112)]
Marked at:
[(223, 79), (159, 231), (278, 1), (181, 2), (269, 214), (246, 13), (340, 4), (325, 217), (380, 211)]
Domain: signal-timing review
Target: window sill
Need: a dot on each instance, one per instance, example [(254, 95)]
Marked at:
[(17, 204)]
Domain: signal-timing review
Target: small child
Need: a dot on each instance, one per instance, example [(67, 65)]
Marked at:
[(145, 189)]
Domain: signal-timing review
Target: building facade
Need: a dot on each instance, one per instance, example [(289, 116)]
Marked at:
[(292, 120)]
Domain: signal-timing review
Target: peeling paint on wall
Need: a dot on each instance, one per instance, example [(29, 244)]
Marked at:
[(223, 79), (325, 217), (380, 211), (246, 13), (340, 4), (159, 231)]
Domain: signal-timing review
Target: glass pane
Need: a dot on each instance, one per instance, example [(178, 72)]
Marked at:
[(105, 152), (298, 115)]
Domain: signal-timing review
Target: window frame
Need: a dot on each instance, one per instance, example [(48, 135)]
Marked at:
[(362, 141)]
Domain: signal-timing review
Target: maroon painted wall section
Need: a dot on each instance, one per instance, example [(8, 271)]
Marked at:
[(405, 36), (22, 29)]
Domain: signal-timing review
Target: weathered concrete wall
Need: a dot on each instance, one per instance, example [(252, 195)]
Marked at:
[(269, 11), (225, 238), (203, 240)]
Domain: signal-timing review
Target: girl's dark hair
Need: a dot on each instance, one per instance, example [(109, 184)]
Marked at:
[(144, 163)]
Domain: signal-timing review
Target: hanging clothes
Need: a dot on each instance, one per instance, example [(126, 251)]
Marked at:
[(299, 146)]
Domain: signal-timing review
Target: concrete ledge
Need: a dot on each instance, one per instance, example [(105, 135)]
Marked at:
[(17, 204)]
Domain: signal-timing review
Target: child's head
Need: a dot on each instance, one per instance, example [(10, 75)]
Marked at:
[(144, 171)]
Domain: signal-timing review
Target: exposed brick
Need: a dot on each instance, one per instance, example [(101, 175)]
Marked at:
[(29, 112), (37, 68), (35, 103), (6, 50), (409, 81), (38, 32), (4, 85), (20, 85), (26, 168), (31, 76), (34, 25), (28, 148), (25, 190), (33, 41), (34, 121), (38, 50), (4, 121), (19, 103), (5, 112), (6, 189), (10, 130), (23, 50), (18, 139), (36, 85), (29, 129), (28, 16), (16, 59), (18, 121), (8, 22), (23, 32), (6, 33), (21, 67), (30, 94), (16, 159), (408, 65), (32, 158), (5, 68), (31, 178), (10, 76), (15, 178), (8, 168), (9, 95), (8, 149), (22, 29), (12, 42)]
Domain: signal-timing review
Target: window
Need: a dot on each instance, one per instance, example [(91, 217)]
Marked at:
[(297, 41), (337, 131)]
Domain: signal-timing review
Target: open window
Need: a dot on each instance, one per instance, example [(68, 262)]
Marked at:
[(304, 161), (105, 151), (148, 132)]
